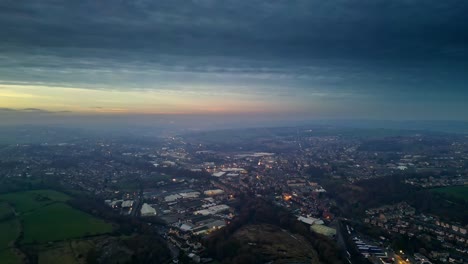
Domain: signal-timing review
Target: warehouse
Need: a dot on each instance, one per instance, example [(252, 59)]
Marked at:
[(147, 210)]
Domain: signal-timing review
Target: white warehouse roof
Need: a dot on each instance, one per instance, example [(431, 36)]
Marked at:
[(147, 210)]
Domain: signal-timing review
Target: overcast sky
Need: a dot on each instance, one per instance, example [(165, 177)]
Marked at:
[(375, 59)]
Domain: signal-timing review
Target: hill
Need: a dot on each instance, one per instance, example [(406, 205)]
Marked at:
[(276, 244)]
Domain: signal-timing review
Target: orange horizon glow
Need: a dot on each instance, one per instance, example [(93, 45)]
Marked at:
[(65, 100)]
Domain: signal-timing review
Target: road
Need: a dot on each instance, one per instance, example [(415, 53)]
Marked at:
[(341, 237), (400, 260)]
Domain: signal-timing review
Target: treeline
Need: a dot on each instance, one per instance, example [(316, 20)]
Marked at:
[(140, 238), (393, 189), (20, 184), (145, 242), (355, 199), (224, 247), (126, 225)]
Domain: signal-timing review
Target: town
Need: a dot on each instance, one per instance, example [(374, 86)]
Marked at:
[(192, 182)]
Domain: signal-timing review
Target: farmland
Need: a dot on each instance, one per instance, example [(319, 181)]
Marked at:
[(24, 202), (460, 192), (45, 227), (45, 217), (5, 210), (58, 222), (9, 230)]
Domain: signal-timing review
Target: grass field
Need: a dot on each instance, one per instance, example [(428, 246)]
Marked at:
[(8, 257), (32, 200), (9, 231), (45, 217), (5, 210), (58, 222), (457, 191)]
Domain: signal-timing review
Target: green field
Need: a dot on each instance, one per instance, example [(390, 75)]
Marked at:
[(8, 257), (59, 222), (456, 191), (5, 210), (33, 200), (45, 217), (9, 230)]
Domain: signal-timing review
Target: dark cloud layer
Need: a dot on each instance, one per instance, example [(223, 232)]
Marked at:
[(397, 51), (323, 29)]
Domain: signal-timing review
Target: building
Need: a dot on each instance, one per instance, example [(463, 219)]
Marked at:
[(324, 230), (213, 192), (147, 210), (219, 174), (310, 220), (172, 197), (212, 210), (189, 195), (128, 203)]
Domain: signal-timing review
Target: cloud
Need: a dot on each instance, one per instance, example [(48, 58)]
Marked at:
[(336, 50), (247, 28), (30, 111), (4, 109), (287, 32), (34, 110)]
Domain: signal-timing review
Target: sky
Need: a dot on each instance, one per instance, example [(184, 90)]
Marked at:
[(336, 59)]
